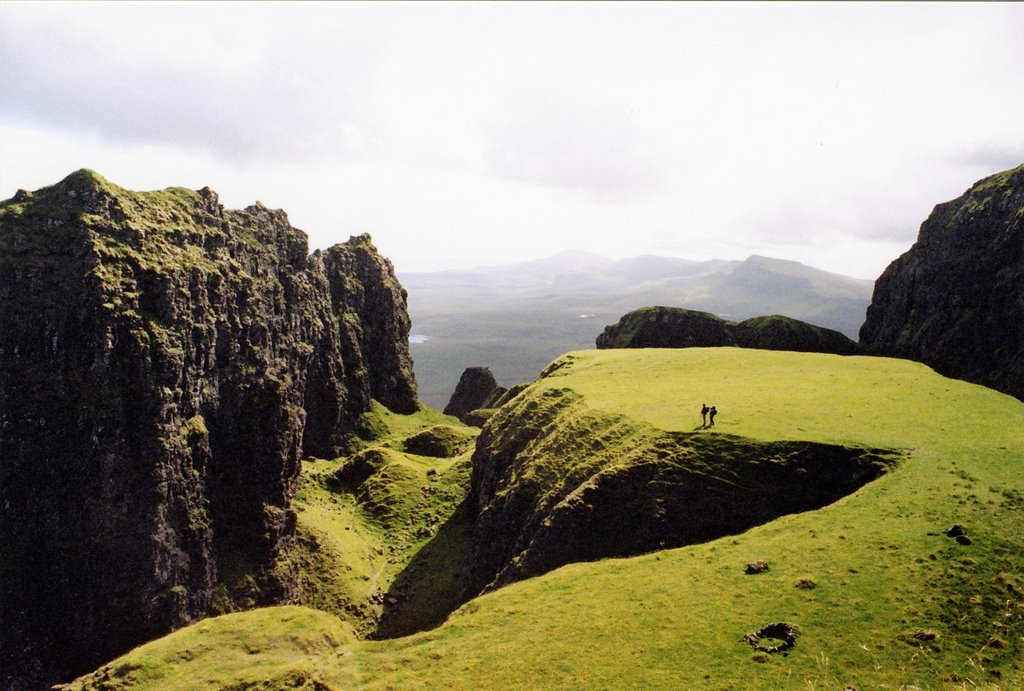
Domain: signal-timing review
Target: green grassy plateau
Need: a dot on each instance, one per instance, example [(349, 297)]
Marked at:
[(880, 597)]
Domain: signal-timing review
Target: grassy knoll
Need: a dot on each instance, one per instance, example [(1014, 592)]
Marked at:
[(362, 519), (271, 648), (879, 595)]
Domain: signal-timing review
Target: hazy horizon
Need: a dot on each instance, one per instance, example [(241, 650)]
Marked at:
[(465, 135)]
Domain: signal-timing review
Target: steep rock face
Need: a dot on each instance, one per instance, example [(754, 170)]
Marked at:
[(476, 388), (955, 300), (666, 327), (673, 327), (164, 364)]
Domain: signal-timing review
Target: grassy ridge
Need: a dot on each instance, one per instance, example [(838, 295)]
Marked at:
[(358, 531), (880, 596)]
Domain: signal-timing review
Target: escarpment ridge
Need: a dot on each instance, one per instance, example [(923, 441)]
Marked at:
[(164, 365), (675, 327)]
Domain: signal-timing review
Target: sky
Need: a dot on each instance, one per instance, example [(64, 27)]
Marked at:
[(479, 133)]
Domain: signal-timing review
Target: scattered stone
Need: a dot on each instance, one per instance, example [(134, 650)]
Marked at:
[(805, 584), (921, 637), (955, 531), (963, 540), (781, 631), (759, 566)]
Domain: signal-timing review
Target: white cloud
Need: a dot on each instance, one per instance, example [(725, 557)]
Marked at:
[(476, 133)]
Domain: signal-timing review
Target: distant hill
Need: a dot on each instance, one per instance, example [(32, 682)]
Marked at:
[(516, 318)]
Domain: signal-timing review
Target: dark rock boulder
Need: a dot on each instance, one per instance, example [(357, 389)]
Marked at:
[(477, 388), (164, 365), (777, 332), (666, 327), (955, 300)]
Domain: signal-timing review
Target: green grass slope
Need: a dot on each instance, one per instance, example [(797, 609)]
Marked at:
[(880, 597), (363, 520)]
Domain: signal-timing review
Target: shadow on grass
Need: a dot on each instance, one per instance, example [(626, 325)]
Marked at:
[(434, 583)]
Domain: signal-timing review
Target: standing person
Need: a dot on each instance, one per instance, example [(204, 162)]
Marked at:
[(712, 413), (704, 414)]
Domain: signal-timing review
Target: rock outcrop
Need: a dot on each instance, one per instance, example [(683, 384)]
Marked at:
[(673, 327), (666, 327), (476, 389), (777, 332), (164, 365), (955, 300)]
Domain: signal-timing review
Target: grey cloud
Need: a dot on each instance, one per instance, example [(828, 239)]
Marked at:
[(990, 157), (588, 145), (301, 103)]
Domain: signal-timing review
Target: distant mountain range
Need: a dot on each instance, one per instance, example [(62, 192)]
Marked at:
[(516, 318)]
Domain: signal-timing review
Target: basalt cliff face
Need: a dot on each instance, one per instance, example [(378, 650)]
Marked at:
[(955, 300), (164, 365)]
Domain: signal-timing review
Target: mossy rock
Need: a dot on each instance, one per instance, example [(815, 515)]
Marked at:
[(440, 441), (479, 417), (359, 467)]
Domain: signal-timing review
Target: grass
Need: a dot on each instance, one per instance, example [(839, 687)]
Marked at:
[(895, 601), (272, 648), (362, 519)]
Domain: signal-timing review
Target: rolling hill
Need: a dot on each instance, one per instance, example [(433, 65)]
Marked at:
[(516, 318), (873, 590)]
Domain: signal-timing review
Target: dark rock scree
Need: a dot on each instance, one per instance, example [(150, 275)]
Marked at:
[(955, 300), (164, 365)]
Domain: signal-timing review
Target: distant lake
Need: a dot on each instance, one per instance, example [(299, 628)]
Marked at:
[(418, 338)]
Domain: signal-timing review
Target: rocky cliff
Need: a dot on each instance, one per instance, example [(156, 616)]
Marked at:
[(164, 365), (955, 300), (673, 327)]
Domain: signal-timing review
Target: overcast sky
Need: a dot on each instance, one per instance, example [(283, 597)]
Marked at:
[(470, 134)]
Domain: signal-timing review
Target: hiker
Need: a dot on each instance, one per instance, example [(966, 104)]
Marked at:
[(704, 414), (711, 414)]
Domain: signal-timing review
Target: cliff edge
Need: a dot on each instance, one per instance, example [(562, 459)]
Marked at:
[(164, 365), (955, 300)]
